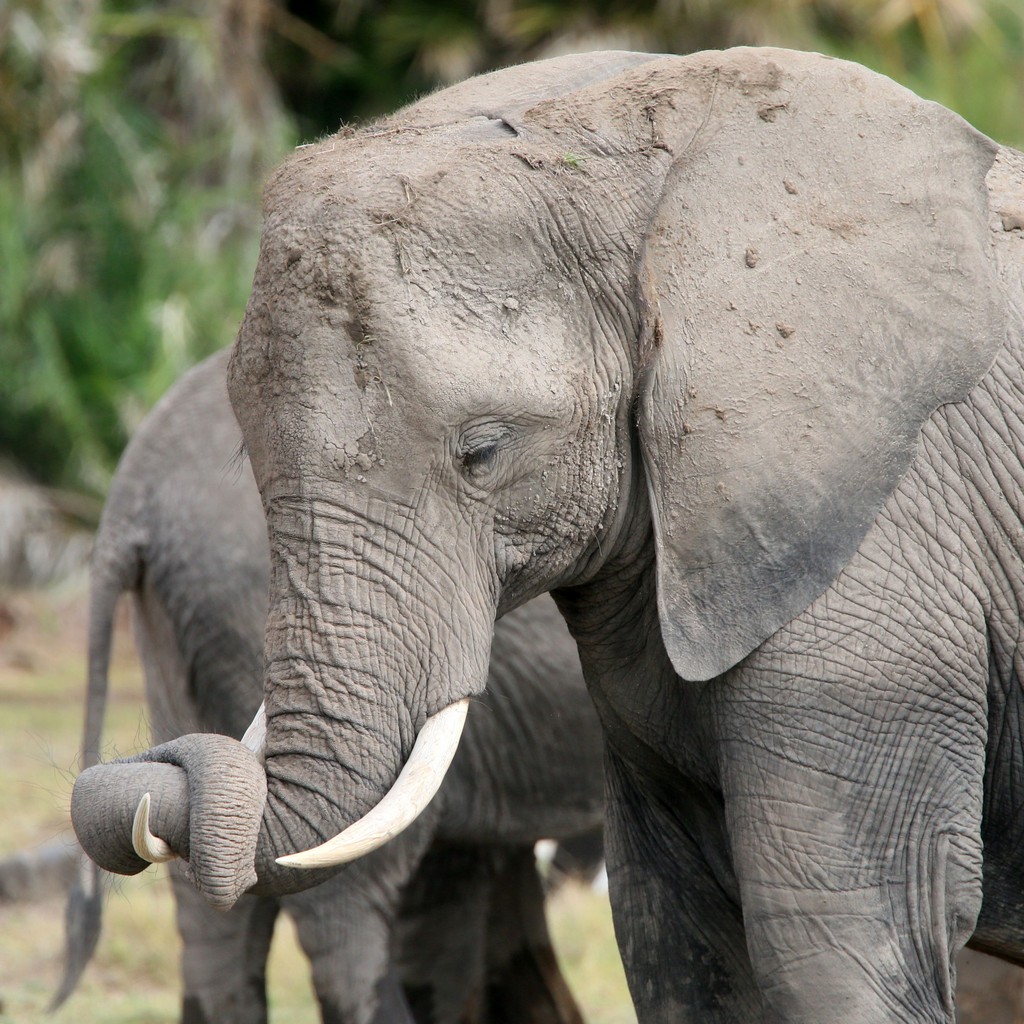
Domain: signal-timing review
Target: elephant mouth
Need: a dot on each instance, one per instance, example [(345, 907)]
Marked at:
[(416, 785)]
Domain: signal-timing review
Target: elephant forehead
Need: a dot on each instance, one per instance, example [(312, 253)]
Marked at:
[(350, 184), (395, 217), (479, 198), (448, 276), (344, 373)]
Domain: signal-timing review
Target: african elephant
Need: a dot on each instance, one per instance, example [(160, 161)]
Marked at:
[(725, 352), (449, 917)]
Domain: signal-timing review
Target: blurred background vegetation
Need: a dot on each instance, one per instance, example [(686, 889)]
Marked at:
[(134, 137)]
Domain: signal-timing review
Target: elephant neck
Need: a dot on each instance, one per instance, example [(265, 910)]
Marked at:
[(614, 620)]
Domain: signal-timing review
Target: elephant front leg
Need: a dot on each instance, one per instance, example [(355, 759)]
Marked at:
[(674, 902), (854, 826)]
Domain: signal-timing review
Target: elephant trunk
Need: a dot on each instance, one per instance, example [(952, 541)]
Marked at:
[(359, 693), (414, 788), (366, 684)]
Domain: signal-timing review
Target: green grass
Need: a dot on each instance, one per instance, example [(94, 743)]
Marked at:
[(581, 926), (134, 977)]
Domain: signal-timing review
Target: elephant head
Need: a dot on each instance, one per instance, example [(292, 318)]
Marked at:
[(571, 325)]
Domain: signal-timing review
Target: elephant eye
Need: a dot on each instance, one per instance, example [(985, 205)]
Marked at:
[(478, 449), (479, 459)]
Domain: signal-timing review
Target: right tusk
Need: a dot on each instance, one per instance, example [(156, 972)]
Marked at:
[(148, 846), (414, 788), (255, 737)]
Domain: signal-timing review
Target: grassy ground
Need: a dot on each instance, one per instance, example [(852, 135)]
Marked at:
[(134, 979)]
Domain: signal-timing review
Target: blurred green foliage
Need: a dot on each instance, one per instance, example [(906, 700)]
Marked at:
[(128, 223), (134, 137)]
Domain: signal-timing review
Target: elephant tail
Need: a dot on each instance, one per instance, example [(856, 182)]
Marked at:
[(115, 569), (83, 920)]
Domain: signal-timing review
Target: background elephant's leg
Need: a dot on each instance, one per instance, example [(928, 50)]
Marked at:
[(224, 956), (344, 927), (347, 925), (674, 902), (392, 1005), (474, 945), (524, 983), (579, 857), (442, 935), (170, 702)]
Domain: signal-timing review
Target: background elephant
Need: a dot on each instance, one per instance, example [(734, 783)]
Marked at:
[(725, 351), (183, 531)]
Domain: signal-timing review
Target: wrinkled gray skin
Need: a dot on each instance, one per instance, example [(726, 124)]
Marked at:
[(183, 531), (724, 350)]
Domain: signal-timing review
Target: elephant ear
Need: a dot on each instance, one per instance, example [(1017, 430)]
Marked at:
[(818, 279)]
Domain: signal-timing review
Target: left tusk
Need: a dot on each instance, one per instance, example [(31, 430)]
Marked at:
[(255, 737), (414, 788), (148, 846)]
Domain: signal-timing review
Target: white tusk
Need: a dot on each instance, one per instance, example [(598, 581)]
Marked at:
[(255, 737), (414, 788), (148, 846)]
